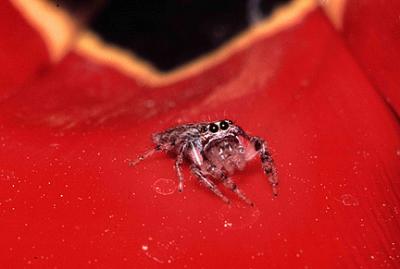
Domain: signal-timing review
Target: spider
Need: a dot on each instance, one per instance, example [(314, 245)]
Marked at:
[(213, 150)]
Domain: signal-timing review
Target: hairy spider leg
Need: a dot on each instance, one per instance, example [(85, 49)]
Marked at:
[(209, 184), (229, 183), (189, 150), (144, 156), (178, 163), (267, 162)]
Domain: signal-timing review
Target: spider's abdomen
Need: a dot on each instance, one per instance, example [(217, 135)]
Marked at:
[(173, 140)]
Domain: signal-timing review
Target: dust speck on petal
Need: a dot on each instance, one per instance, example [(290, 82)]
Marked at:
[(163, 246), (238, 216)]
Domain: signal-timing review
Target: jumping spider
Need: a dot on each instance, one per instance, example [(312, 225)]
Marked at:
[(216, 150)]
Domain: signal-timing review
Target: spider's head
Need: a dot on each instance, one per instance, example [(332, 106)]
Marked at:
[(217, 131), (218, 128)]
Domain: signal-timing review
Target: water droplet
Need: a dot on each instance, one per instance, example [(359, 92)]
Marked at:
[(164, 186), (54, 145), (349, 200)]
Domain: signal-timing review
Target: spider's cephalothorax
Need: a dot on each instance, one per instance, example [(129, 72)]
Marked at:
[(214, 150)]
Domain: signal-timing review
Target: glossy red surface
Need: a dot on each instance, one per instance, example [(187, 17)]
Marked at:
[(371, 30), (68, 198), (18, 42)]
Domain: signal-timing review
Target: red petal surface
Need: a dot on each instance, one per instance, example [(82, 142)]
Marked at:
[(372, 32), (68, 199), (18, 42)]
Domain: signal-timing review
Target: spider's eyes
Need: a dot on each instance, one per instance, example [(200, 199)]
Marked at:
[(224, 125), (213, 128)]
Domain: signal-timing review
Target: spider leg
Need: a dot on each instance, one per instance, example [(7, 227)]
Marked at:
[(230, 184), (208, 183), (267, 162), (193, 153), (143, 156), (178, 163)]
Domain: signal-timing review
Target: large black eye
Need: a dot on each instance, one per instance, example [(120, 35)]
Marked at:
[(224, 125), (213, 128)]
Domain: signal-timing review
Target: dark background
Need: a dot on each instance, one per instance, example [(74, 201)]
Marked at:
[(169, 32)]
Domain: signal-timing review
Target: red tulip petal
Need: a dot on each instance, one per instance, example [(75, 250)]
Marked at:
[(68, 197), (18, 36), (376, 47)]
